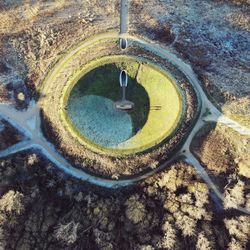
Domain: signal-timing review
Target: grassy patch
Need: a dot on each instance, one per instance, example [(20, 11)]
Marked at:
[(104, 81), (165, 108), (157, 124)]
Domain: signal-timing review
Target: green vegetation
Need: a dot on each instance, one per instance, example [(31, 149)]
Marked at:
[(165, 107), (157, 99), (104, 81)]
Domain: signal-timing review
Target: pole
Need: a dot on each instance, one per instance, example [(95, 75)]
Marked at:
[(123, 93)]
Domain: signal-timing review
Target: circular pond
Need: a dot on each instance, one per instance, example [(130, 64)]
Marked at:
[(89, 106)]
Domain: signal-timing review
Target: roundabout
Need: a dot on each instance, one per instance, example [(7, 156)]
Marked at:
[(29, 123), (117, 125), (94, 135), (123, 140)]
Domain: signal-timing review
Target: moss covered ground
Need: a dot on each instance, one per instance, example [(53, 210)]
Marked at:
[(104, 81), (158, 103)]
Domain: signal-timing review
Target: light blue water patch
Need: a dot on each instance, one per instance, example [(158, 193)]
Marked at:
[(98, 120)]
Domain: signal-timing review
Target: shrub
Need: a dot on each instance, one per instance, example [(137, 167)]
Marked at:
[(136, 210), (234, 196), (12, 202), (67, 232)]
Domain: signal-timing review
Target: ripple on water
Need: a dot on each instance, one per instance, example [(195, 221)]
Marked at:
[(98, 120)]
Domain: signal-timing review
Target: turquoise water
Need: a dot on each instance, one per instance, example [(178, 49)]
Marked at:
[(99, 121)]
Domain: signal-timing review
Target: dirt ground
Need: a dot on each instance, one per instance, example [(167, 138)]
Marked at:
[(45, 29), (225, 155), (44, 206), (8, 135), (213, 36), (172, 210)]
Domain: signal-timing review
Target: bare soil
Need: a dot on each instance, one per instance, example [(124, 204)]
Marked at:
[(8, 135), (213, 37)]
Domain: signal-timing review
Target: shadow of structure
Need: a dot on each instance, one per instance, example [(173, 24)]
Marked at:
[(104, 81)]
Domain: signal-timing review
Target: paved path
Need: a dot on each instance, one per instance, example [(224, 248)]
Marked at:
[(124, 15), (29, 124)]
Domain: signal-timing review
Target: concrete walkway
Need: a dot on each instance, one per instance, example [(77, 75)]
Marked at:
[(124, 16), (29, 124)]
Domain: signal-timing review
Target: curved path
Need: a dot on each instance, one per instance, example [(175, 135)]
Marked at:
[(29, 124)]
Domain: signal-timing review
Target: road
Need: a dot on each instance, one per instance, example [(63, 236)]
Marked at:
[(124, 16), (29, 122)]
